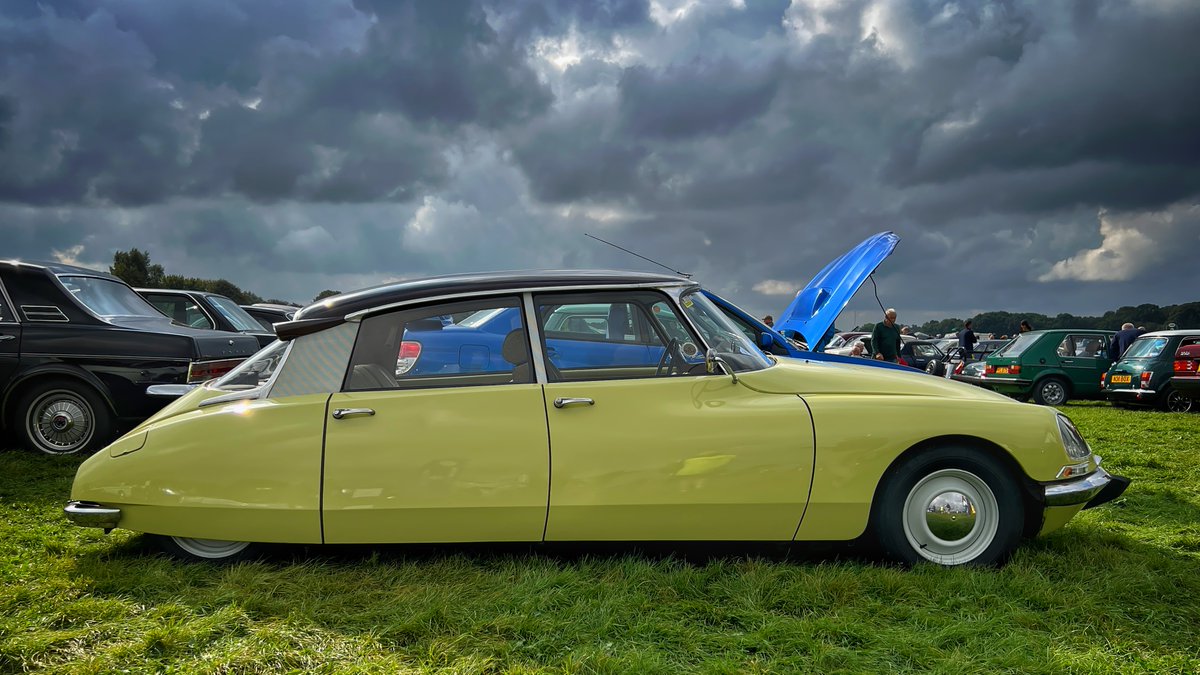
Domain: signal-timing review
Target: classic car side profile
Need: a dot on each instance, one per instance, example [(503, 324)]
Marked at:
[(1052, 366), (79, 350), (318, 439)]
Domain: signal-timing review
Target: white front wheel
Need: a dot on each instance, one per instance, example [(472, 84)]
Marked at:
[(950, 517), (189, 548)]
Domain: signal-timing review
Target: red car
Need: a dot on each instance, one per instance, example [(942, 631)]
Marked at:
[(1187, 371)]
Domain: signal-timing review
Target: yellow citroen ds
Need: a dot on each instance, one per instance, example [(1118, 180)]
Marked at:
[(581, 406)]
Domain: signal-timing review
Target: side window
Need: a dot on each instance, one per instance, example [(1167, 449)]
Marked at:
[(924, 351), (182, 309), (607, 336), (423, 347), (1066, 347), (1089, 346)]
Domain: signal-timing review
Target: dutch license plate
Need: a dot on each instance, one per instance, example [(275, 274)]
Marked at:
[(1121, 379), (1002, 370)]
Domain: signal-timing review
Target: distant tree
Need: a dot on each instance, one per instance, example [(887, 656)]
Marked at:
[(277, 301), (134, 268), (325, 294)]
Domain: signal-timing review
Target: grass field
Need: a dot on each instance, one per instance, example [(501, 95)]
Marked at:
[(1118, 590)]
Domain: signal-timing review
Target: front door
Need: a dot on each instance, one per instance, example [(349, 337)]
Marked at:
[(644, 450), (1084, 358), (436, 455)]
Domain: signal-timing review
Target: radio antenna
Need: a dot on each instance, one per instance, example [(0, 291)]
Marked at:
[(682, 274)]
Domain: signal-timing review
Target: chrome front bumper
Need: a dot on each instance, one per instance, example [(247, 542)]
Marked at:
[(1094, 489), (89, 514)]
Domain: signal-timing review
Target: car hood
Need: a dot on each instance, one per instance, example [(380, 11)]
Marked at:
[(818, 304), (809, 377)]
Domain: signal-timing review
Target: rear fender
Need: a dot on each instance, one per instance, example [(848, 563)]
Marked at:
[(51, 370)]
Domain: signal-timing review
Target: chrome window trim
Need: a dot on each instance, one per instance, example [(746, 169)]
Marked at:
[(533, 332), (362, 313)]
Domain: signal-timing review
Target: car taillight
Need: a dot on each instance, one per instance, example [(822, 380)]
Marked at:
[(202, 371), (1185, 366), (901, 361), (1014, 369), (959, 368), (1103, 376), (989, 369), (409, 353), (1145, 379)]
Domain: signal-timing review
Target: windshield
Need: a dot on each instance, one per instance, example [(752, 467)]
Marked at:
[(722, 335), (254, 371), (108, 298), (1017, 346), (1145, 348), (234, 314)]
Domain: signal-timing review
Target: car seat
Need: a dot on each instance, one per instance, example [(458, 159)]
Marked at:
[(515, 350)]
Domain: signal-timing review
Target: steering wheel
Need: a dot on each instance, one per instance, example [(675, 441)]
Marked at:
[(671, 353)]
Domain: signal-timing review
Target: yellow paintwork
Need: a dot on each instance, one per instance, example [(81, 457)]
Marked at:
[(866, 417), (456, 464), (683, 458), (687, 458), (241, 471)]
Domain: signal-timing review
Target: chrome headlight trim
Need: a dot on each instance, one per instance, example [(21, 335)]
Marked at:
[(1073, 442)]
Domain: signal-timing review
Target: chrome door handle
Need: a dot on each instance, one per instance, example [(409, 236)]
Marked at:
[(339, 413), (564, 402), (6, 338)]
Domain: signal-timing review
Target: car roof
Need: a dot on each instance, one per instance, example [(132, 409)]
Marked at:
[(58, 268), (1171, 333), (377, 297)]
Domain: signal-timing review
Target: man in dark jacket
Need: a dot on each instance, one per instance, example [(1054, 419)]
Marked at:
[(967, 340), (1121, 341), (885, 338)]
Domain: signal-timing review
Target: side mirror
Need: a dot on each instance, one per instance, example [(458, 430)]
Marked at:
[(766, 340), (712, 360)]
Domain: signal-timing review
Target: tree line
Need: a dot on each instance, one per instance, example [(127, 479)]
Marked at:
[(134, 268), (1152, 317)]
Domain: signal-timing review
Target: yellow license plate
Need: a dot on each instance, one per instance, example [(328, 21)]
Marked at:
[(1002, 370), (1121, 379)]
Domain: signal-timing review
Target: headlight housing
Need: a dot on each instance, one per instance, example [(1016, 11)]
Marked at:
[(1074, 444)]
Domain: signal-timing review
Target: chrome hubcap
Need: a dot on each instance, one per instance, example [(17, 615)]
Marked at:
[(60, 422), (950, 516), (211, 549)]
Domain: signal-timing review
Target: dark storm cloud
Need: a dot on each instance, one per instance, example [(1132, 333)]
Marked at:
[(1027, 152)]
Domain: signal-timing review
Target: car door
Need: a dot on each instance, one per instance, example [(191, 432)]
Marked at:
[(446, 456), (646, 453), (1084, 358), (10, 340)]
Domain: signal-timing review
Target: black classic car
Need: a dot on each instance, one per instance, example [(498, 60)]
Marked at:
[(267, 315), (79, 348), (199, 309)]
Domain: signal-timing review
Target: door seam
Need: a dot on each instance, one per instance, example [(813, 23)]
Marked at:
[(549, 464), (321, 482), (812, 477)]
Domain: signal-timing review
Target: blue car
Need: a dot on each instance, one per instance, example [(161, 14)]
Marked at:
[(589, 334)]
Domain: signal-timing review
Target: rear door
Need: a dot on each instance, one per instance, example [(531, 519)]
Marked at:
[(1084, 358)]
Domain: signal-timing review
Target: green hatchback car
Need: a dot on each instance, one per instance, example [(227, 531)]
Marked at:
[(1142, 376), (1052, 366)]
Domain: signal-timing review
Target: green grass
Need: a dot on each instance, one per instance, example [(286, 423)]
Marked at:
[(1118, 590)]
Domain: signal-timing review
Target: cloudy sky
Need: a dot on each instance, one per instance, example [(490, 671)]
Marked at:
[(1038, 156)]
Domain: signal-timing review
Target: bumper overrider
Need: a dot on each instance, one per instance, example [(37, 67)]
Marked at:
[(1092, 490), (91, 514)]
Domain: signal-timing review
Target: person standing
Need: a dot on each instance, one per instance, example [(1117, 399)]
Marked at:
[(769, 321), (1025, 327), (967, 340), (885, 338), (1121, 341)]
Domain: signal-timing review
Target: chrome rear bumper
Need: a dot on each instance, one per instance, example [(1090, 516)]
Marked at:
[(90, 514)]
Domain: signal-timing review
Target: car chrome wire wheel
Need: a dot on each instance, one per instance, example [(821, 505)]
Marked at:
[(210, 549), (1177, 402), (60, 422), (950, 517)]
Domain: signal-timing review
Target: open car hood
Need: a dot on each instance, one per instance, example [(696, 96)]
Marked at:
[(817, 306)]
